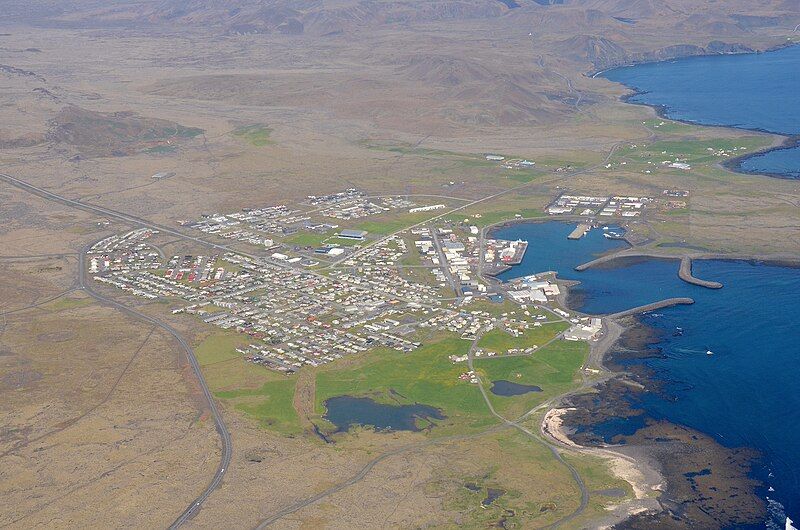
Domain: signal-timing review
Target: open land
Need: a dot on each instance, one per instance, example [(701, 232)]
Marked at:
[(270, 208)]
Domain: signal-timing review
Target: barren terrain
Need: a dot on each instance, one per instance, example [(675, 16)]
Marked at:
[(247, 104)]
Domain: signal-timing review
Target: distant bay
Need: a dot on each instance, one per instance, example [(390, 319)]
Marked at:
[(756, 91)]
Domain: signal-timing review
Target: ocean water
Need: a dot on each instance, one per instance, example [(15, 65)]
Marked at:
[(751, 91), (747, 393)]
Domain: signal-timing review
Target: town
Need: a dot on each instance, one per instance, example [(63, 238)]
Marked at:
[(297, 311)]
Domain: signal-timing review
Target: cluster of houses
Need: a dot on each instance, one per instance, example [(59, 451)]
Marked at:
[(296, 316), (250, 224), (357, 208), (279, 228), (467, 324), (124, 252), (511, 163), (147, 285), (388, 281), (194, 269), (300, 318), (591, 206), (470, 377), (334, 198)]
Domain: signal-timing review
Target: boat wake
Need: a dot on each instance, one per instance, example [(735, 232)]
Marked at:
[(691, 352)]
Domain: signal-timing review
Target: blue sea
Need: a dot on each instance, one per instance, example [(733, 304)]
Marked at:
[(752, 91), (747, 393)]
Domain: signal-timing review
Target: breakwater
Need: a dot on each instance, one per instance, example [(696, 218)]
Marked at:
[(685, 274), (684, 271), (669, 302)]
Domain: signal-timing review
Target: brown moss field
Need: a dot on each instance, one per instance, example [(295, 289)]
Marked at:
[(102, 423)]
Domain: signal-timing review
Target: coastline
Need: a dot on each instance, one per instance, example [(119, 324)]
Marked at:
[(659, 485), (635, 465), (644, 458), (789, 142), (783, 141)]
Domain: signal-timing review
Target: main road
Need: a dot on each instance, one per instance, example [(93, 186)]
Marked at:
[(222, 430), (219, 424)]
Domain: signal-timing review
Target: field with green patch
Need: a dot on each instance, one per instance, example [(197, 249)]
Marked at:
[(260, 394), (425, 375), (500, 341), (525, 479), (255, 135), (552, 368), (490, 218), (307, 239), (693, 151), (384, 225), (64, 303), (270, 404)]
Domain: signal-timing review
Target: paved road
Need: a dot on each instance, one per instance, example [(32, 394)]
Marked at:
[(122, 216), (219, 424), (437, 243), (225, 437), (576, 477)]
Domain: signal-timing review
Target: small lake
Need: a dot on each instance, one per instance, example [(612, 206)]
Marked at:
[(748, 91), (347, 411), (509, 388)]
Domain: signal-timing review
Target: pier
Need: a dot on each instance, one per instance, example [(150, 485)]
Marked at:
[(580, 231), (516, 259)]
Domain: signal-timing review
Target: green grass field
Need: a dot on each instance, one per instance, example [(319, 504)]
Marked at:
[(307, 239), (255, 135), (161, 149), (500, 341), (552, 368), (260, 394), (271, 404), (490, 217), (388, 224), (65, 303), (219, 347), (694, 151), (424, 376)]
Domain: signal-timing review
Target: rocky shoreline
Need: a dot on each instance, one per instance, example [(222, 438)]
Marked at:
[(709, 485), (699, 482), (703, 484)]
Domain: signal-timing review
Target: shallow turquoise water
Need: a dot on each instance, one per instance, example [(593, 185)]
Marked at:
[(752, 91), (748, 392)]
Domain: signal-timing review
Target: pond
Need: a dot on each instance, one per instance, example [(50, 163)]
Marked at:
[(347, 411), (502, 387)]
